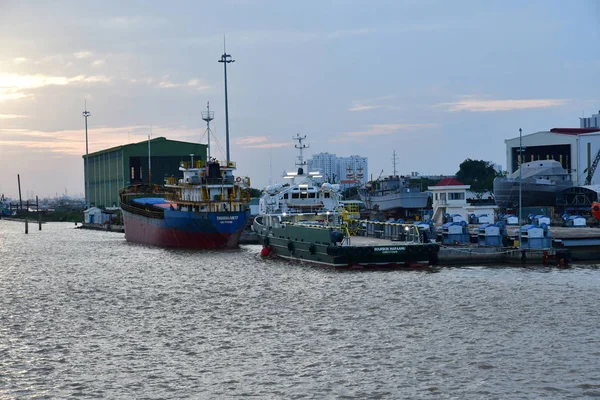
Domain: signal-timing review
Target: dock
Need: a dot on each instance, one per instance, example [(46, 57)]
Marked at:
[(568, 244)]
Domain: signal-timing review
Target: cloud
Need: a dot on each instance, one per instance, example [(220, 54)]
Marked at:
[(83, 54), (360, 107), (98, 63), (14, 86), (478, 105), (19, 60), (165, 83), (379, 129), (72, 142), (251, 140), (258, 142), (373, 104), (11, 116)]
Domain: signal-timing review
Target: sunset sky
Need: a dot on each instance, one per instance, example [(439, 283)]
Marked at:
[(436, 81)]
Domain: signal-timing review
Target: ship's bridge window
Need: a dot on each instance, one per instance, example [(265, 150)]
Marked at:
[(326, 195), (285, 196), (312, 195), (295, 195)]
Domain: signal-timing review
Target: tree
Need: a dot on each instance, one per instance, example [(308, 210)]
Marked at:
[(479, 174), (254, 192)]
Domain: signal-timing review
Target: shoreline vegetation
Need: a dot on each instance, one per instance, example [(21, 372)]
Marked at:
[(47, 216)]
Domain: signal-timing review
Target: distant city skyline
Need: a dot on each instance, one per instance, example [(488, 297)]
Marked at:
[(437, 82)]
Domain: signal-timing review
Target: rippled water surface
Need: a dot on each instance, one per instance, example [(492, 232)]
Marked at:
[(84, 314)]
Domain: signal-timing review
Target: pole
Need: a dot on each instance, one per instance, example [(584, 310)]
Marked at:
[(149, 164), (225, 60), (520, 181), (37, 205), (86, 114), (20, 199)]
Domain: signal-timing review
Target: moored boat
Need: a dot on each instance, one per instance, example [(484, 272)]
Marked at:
[(307, 222), (392, 193), (538, 183), (208, 208)]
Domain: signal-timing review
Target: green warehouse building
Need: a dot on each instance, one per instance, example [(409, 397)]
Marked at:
[(117, 167)]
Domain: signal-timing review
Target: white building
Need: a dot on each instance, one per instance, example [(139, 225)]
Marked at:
[(575, 148), (353, 170), (347, 171), (326, 164), (590, 122), (450, 197)]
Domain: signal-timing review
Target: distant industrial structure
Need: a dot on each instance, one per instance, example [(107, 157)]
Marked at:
[(577, 149), (590, 122), (347, 171), (144, 162)]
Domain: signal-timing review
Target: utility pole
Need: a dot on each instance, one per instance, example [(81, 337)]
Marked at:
[(86, 114), (225, 59), (520, 181)]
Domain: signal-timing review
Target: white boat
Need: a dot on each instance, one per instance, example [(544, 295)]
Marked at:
[(306, 222), (392, 193)]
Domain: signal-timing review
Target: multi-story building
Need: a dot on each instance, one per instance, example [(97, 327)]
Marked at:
[(590, 122), (347, 171)]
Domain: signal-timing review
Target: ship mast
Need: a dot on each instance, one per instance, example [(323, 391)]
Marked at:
[(394, 158), (208, 116), (300, 146)]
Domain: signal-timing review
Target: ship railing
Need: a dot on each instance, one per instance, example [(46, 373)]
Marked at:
[(391, 230), (189, 164), (143, 210)]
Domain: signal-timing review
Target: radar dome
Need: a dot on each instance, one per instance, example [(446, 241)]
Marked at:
[(271, 189), (326, 187), (335, 188), (278, 187)]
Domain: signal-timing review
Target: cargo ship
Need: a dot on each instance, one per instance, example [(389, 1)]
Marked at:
[(307, 222), (207, 208)]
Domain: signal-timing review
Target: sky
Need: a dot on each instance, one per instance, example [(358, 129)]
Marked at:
[(435, 81)]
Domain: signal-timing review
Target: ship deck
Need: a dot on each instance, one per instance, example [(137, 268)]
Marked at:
[(365, 241)]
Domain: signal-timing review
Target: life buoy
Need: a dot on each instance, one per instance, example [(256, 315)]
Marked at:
[(238, 179)]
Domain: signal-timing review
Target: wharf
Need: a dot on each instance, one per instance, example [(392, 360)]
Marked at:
[(101, 227), (568, 244)]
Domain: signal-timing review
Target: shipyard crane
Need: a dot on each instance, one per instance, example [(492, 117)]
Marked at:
[(592, 169)]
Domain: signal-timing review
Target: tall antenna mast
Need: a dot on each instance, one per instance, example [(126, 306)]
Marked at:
[(300, 146), (394, 158), (86, 114), (225, 60), (209, 116)]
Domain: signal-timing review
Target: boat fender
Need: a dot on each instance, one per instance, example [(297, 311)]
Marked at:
[(266, 250), (312, 248), (337, 236), (290, 246)]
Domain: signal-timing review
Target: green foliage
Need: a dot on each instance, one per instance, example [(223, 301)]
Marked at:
[(350, 193), (254, 192), (477, 173)]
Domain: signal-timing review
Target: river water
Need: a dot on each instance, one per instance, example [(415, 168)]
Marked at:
[(84, 314)]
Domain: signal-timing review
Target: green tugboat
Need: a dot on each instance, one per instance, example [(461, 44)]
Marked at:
[(306, 222)]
